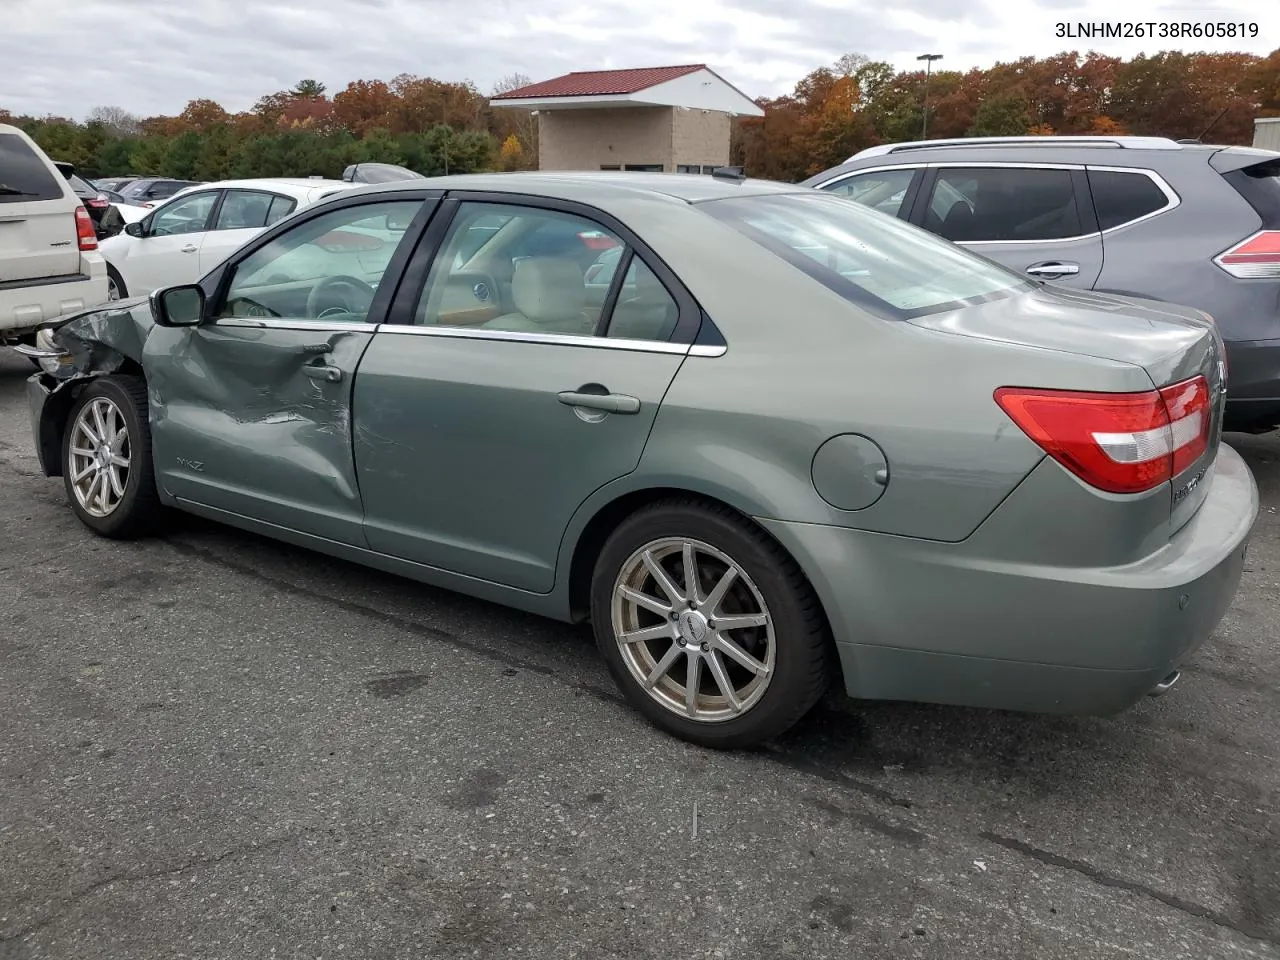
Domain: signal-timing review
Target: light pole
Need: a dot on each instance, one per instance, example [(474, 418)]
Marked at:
[(928, 59)]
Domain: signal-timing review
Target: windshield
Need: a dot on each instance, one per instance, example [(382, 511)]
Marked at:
[(872, 259)]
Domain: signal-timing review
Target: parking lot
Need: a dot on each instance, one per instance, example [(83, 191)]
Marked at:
[(213, 745)]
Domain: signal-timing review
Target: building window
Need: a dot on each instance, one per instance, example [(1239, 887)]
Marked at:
[(710, 167), (644, 167), (610, 166), (688, 168)]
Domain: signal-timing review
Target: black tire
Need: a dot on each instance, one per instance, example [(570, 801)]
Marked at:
[(114, 276), (803, 650), (138, 510)]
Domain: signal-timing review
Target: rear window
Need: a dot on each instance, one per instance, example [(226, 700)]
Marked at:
[(24, 176), (880, 263), (1260, 186), (1121, 198)]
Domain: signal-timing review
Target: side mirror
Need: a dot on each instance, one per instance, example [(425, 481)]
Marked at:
[(134, 229), (181, 306)]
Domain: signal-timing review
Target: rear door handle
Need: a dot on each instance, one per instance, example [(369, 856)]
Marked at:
[(326, 373), (608, 402), (1054, 269)]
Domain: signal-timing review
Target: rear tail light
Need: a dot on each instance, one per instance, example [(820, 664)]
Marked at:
[(85, 231), (595, 240), (1257, 258), (1117, 442)]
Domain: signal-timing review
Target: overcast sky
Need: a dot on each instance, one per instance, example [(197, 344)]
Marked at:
[(151, 56)]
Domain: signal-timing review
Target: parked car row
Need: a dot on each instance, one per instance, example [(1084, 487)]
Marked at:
[(1182, 223)]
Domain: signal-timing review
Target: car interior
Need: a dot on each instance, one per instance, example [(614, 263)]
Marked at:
[(526, 272), (1004, 208), (530, 274)]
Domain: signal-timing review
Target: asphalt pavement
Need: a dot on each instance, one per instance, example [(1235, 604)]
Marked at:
[(213, 745)]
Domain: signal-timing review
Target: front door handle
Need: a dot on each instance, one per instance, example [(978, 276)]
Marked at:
[(1054, 269), (326, 373), (190, 248), (608, 402)]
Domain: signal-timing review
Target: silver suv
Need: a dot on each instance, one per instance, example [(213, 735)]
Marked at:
[(1183, 223)]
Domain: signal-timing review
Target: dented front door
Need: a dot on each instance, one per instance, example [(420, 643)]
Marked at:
[(255, 419), (251, 410)]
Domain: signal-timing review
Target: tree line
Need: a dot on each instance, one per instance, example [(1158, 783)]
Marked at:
[(437, 126)]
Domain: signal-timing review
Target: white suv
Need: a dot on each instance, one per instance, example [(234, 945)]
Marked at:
[(49, 259)]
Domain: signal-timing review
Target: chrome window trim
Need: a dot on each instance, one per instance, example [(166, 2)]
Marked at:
[(463, 333), (525, 336), (314, 326)]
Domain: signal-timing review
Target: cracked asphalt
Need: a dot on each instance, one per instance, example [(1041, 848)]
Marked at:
[(213, 745)]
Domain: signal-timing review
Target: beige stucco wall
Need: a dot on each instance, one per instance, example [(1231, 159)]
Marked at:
[(587, 139), (700, 137)]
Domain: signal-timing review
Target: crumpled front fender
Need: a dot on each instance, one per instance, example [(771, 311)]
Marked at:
[(94, 343)]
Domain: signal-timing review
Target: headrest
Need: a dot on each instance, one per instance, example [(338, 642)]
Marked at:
[(546, 289)]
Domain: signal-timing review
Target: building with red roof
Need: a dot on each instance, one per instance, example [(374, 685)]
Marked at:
[(672, 119)]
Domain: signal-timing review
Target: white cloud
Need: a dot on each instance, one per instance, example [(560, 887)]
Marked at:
[(152, 56)]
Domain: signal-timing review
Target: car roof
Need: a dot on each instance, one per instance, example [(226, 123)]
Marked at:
[(1154, 153), (297, 187), (592, 186)]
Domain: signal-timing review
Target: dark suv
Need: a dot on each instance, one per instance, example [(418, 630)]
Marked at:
[(150, 191), (1184, 223)]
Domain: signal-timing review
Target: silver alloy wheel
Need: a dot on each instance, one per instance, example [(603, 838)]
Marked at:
[(99, 460), (701, 645), (113, 292)]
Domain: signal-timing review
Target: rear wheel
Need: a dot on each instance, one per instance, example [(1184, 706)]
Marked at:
[(106, 459), (708, 626)]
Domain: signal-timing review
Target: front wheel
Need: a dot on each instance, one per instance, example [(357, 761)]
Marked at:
[(106, 459), (116, 289), (708, 626)]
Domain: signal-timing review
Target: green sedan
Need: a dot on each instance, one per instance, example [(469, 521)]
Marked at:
[(787, 440)]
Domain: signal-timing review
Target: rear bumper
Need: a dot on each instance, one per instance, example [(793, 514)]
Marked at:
[(1253, 384), (933, 622), (26, 305)]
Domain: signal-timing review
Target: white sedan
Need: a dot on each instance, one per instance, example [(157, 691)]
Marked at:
[(196, 229)]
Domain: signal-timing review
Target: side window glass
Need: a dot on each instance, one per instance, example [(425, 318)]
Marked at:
[(645, 310), (1003, 203), (281, 207), (327, 268), (188, 215), (883, 190), (509, 267), (1121, 198), (243, 209)]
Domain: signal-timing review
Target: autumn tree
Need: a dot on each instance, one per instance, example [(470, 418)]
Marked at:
[(363, 105), (505, 121)]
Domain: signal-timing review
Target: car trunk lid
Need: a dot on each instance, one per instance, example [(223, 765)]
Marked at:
[(1173, 344)]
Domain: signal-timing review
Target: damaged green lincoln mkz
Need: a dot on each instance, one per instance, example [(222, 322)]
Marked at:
[(762, 437)]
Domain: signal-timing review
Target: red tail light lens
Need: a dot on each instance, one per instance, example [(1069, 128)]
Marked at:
[(1117, 442), (1257, 258), (85, 232), (595, 240)]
